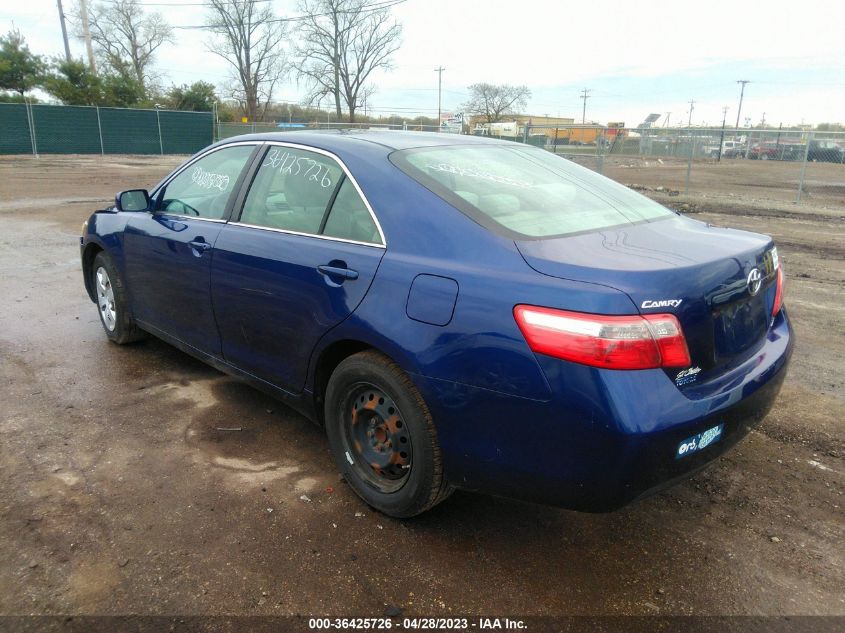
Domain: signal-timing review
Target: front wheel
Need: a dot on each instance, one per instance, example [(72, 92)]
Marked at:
[(112, 301), (382, 436)]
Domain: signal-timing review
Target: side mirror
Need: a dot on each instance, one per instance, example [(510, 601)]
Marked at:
[(132, 200)]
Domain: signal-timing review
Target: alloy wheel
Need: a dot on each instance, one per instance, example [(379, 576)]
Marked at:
[(105, 299)]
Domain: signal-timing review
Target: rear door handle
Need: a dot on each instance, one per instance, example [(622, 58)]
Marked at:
[(200, 245), (335, 271)]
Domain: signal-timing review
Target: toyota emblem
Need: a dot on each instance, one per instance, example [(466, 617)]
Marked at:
[(755, 280)]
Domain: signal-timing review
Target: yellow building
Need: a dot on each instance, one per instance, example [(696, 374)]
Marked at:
[(477, 123), (557, 130)]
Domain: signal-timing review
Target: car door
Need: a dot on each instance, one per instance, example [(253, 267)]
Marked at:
[(168, 252), (297, 262)]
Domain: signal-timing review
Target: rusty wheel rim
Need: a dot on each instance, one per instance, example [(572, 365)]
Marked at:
[(378, 445)]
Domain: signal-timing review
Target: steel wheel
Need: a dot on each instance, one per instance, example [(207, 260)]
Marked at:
[(382, 436), (105, 299), (376, 439)]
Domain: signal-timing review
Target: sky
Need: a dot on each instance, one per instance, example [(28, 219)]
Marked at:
[(635, 58)]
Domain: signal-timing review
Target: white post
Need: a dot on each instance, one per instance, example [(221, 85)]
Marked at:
[(689, 162), (30, 118), (160, 142), (804, 166), (100, 128)]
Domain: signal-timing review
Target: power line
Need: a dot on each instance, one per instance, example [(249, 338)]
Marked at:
[(180, 4), (369, 8)]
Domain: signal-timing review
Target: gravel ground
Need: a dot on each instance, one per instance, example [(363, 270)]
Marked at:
[(120, 494)]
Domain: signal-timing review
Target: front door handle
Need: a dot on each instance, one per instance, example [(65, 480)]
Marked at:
[(337, 271)]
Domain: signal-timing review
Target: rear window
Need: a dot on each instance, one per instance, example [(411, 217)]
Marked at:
[(525, 192)]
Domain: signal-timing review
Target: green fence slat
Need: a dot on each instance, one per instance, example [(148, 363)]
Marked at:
[(14, 129), (127, 131), (66, 129), (76, 130), (185, 132)]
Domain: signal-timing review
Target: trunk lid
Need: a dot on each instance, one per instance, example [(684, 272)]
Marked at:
[(683, 267)]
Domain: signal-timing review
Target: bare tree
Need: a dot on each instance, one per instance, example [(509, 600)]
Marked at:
[(341, 43), (126, 38), (250, 38), (494, 101)]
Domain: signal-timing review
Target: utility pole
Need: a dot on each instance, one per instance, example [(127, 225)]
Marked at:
[(722, 139), (86, 33), (439, 70), (584, 96), (741, 94), (763, 120), (64, 30), (739, 111), (691, 108)]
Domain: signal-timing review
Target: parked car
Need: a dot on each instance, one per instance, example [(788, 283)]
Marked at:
[(826, 151), (764, 151), (733, 149), (786, 150), (458, 312)]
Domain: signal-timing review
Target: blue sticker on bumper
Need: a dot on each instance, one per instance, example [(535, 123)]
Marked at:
[(697, 442)]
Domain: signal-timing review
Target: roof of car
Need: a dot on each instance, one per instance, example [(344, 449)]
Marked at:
[(391, 139)]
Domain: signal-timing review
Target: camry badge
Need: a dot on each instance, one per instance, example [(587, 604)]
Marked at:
[(663, 303), (755, 279)]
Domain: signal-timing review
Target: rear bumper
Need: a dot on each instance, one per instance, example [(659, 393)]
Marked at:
[(606, 437)]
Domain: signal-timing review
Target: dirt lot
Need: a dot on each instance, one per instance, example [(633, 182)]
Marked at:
[(119, 495)]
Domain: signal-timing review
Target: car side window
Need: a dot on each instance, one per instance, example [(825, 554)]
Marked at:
[(349, 218), (291, 190), (203, 188)]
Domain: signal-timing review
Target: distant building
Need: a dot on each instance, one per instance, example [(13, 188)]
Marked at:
[(551, 130), (522, 119)]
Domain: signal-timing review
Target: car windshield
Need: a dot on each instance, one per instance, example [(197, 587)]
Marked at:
[(525, 192)]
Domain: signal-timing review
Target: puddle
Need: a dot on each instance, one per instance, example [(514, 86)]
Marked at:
[(199, 392)]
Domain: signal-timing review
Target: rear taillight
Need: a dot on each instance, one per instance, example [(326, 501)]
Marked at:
[(778, 292), (612, 342)]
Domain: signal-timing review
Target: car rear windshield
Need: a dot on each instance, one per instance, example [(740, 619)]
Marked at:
[(525, 192)]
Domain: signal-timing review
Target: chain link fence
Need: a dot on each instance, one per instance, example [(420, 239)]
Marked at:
[(52, 129), (784, 165), (781, 164), (227, 130)]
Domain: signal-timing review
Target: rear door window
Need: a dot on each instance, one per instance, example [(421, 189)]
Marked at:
[(202, 190), (292, 190), (300, 191), (349, 218)]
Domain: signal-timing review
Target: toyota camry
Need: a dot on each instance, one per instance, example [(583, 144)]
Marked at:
[(455, 311)]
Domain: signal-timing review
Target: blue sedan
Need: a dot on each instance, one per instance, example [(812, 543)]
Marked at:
[(457, 312)]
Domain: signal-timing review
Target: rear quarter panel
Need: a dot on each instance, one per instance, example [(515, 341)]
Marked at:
[(481, 345)]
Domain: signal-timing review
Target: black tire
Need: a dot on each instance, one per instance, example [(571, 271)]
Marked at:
[(403, 488), (115, 313)]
